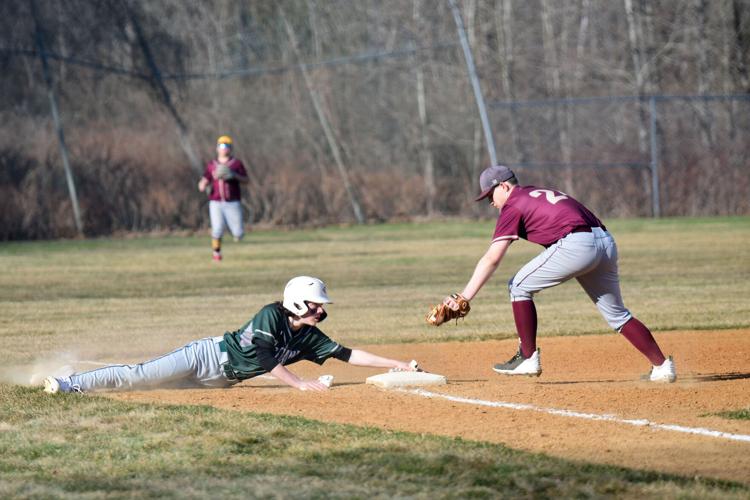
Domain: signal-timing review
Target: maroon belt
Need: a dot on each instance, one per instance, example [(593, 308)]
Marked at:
[(580, 229)]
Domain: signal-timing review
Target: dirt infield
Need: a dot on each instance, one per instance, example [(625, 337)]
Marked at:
[(589, 377)]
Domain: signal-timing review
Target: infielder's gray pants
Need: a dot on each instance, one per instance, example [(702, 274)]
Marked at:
[(200, 363), (591, 258)]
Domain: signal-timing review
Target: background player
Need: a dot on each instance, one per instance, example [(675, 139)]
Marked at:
[(221, 180), (280, 334), (577, 246)]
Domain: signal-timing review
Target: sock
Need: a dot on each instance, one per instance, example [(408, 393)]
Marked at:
[(524, 312), (641, 338), (216, 244)]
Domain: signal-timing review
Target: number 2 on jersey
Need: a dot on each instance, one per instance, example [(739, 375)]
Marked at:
[(550, 195)]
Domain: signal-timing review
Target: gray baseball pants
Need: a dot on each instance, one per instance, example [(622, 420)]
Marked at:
[(591, 258), (198, 364), (226, 213)]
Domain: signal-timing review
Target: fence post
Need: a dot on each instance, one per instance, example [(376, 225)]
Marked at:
[(655, 203), (474, 82), (39, 38)]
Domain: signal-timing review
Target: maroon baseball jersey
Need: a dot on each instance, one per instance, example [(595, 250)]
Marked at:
[(224, 190), (541, 216)]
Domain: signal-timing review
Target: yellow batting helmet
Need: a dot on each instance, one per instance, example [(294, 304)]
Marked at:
[(224, 139)]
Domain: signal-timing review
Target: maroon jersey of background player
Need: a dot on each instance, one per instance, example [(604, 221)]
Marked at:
[(225, 190)]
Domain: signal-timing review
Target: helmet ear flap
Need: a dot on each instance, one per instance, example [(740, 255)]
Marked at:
[(298, 308)]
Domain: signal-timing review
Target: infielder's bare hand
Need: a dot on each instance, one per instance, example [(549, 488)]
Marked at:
[(312, 385)]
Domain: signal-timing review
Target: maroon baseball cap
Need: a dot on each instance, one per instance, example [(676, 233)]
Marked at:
[(491, 177)]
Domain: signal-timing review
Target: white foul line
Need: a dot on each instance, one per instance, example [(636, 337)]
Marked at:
[(587, 416)]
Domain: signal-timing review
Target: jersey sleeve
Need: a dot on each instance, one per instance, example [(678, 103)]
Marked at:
[(322, 348), (239, 167), (207, 172), (265, 326), (508, 225), (265, 338)]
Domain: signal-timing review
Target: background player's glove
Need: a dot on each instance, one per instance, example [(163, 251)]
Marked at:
[(441, 313), (223, 172)]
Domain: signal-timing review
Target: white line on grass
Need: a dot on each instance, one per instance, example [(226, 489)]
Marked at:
[(586, 416)]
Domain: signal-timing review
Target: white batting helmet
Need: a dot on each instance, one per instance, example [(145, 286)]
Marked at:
[(301, 289)]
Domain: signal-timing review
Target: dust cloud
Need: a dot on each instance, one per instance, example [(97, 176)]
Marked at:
[(33, 374)]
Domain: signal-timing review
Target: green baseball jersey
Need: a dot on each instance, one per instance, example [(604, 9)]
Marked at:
[(269, 333)]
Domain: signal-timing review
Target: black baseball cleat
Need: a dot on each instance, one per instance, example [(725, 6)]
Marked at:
[(518, 365)]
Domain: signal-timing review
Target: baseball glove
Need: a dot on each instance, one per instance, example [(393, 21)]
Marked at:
[(441, 313), (223, 172)]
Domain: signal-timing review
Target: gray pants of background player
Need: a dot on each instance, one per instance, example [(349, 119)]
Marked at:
[(227, 213), (591, 258), (199, 363)]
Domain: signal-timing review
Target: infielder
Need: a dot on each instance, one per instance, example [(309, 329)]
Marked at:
[(221, 181), (280, 334), (577, 245)]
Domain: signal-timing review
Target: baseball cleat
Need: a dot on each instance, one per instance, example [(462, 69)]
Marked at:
[(216, 256), (664, 372), (518, 365), (54, 385), (51, 385)]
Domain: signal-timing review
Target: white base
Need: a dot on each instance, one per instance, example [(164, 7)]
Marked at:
[(404, 379)]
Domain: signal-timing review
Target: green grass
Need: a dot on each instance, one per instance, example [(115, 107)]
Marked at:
[(92, 447), (743, 414), (129, 299), (138, 296)]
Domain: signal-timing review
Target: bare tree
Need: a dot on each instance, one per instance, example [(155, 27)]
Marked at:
[(583, 33), (470, 13), (325, 124), (640, 71), (554, 82), (504, 26), (137, 37), (705, 72), (41, 49), (741, 28), (424, 142)]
